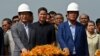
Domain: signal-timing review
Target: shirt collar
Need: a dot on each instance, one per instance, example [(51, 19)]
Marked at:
[(25, 25), (42, 24), (70, 24), (90, 36)]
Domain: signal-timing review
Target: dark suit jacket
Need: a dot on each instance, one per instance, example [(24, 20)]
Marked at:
[(65, 39), (45, 33), (20, 37), (1, 42)]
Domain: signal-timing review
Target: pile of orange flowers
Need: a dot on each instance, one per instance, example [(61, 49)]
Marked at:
[(97, 53), (45, 50)]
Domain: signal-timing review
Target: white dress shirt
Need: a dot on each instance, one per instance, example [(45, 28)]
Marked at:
[(72, 28), (26, 29)]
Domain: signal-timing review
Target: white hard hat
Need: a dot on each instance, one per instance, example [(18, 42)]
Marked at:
[(73, 7), (23, 7)]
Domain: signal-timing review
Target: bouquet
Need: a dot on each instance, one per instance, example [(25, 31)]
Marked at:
[(97, 53), (45, 50)]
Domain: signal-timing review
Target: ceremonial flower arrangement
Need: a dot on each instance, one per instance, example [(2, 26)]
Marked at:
[(97, 53), (45, 50)]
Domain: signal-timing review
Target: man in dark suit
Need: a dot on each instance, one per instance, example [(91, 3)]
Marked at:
[(23, 32), (1, 42), (45, 32), (71, 34)]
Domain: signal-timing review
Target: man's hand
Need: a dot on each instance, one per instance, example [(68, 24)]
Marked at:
[(24, 50), (66, 50)]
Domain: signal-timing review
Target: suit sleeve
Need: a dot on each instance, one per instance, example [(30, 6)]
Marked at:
[(60, 37), (16, 37), (85, 42), (1, 42), (53, 35), (99, 42), (6, 40)]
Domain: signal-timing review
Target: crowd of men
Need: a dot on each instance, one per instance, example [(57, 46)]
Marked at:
[(76, 38)]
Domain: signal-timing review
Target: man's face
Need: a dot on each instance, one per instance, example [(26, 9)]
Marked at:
[(15, 20), (98, 27), (25, 17), (90, 27), (84, 19), (5, 26), (42, 15), (72, 15), (52, 15), (48, 18), (58, 19), (31, 19)]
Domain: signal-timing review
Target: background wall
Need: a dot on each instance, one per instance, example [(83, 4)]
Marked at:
[(8, 8)]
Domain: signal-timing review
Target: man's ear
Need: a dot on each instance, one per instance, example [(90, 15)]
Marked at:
[(66, 15), (19, 16)]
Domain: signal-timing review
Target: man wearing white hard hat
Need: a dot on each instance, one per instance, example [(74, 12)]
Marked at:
[(71, 34), (24, 9), (23, 32)]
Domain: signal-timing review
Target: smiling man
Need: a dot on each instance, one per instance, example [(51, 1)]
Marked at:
[(71, 34), (23, 32), (45, 32)]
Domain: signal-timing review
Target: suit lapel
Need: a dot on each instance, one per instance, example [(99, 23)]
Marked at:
[(23, 30), (30, 31), (69, 31), (77, 31)]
